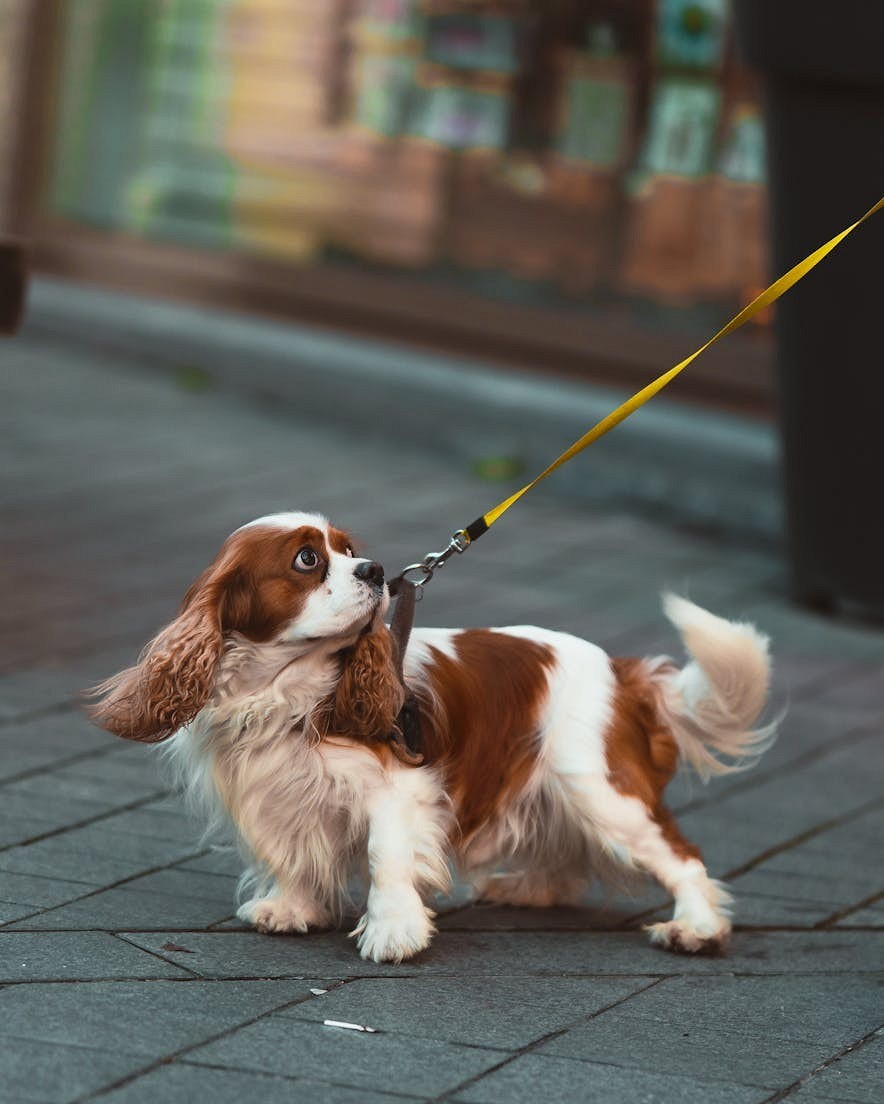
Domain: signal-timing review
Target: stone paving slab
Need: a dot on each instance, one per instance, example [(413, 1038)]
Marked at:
[(80, 956), (138, 984), (424, 1067), (768, 1031), (516, 954), (183, 1083), (149, 1018), (857, 1076), (463, 1009), (40, 1072), (533, 1077)]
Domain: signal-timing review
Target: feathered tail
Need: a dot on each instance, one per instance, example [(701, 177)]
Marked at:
[(715, 700)]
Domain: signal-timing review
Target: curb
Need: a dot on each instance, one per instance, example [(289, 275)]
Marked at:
[(686, 464)]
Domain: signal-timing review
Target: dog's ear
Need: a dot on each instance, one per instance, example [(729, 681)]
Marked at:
[(369, 693), (176, 671)]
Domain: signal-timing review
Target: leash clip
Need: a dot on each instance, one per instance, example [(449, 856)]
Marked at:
[(431, 563)]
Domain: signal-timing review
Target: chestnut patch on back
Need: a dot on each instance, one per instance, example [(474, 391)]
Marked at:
[(485, 733), (640, 749)]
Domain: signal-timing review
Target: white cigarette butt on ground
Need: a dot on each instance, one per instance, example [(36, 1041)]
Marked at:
[(318, 992), (349, 1026)]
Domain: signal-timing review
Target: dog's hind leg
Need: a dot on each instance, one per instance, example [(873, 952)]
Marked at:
[(651, 841)]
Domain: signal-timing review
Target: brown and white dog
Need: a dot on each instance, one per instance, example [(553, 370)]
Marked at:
[(545, 759)]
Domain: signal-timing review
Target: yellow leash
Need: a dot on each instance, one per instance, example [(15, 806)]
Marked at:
[(423, 571)]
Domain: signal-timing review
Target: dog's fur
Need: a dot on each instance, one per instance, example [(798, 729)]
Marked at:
[(545, 760)]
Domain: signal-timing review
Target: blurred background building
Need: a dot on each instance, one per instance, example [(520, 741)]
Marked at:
[(572, 185)]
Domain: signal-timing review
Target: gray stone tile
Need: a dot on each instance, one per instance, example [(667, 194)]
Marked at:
[(164, 819), (761, 1030), (381, 1062), (77, 956), (131, 769), (777, 910), (15, 830), (250, 954), (871, 915), (38, 690), (30, 889), (535, 1077), (482, 917), (676, 1049), (219, 861), (179, 881), (522, 954), (131, 906), (828, 888), (491, 1011), (43, 741), (94, 853), (47, 803), (150, 1018), (858, 1076), (37, 1072), (183, 1083), (98, 783), (785, 806), (864, 688), (9, 911), (800, 632)]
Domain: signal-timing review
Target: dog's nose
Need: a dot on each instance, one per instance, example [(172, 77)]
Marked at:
[(370, 571)]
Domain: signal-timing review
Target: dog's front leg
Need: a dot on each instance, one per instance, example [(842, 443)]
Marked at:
[(406, 850)]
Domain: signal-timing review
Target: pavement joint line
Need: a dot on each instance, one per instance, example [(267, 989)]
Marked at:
[(294, 1079), (94, 647), (175, 1055), (69, 705), (225, 920), (56, 764), (811, 833), (529, 1047), (155, 954), (830, 921), (97, 818), (171, 930), (789, 1090), (759, 775), (101, 889)]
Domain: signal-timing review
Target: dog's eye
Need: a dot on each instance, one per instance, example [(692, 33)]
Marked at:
[(349, 552), (306, 560)]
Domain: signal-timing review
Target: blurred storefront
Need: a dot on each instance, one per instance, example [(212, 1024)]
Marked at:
[(575, 185)]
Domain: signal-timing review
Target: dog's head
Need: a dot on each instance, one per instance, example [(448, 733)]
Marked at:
[(287, 579)]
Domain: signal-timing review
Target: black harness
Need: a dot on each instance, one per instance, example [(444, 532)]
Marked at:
[(405, 739)]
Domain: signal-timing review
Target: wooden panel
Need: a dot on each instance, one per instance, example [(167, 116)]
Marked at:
[(594, 345)]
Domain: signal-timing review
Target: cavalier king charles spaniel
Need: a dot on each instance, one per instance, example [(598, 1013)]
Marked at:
[(544, 759)]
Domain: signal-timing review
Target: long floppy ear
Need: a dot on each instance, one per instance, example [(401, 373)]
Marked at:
[(369, 694), (174, 675)]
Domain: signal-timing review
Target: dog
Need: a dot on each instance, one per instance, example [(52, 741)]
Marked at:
[(544, 759)]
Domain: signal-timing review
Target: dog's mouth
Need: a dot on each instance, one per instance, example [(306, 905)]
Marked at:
[(361, 626)]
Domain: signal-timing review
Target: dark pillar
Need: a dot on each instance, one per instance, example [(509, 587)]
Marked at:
[(823, 69)]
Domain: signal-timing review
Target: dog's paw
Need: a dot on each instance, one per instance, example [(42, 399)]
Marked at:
[(675, 935), (282, 914), (394, 928)]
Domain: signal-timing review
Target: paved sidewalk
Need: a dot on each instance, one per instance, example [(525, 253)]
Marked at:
[(124, 976)]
